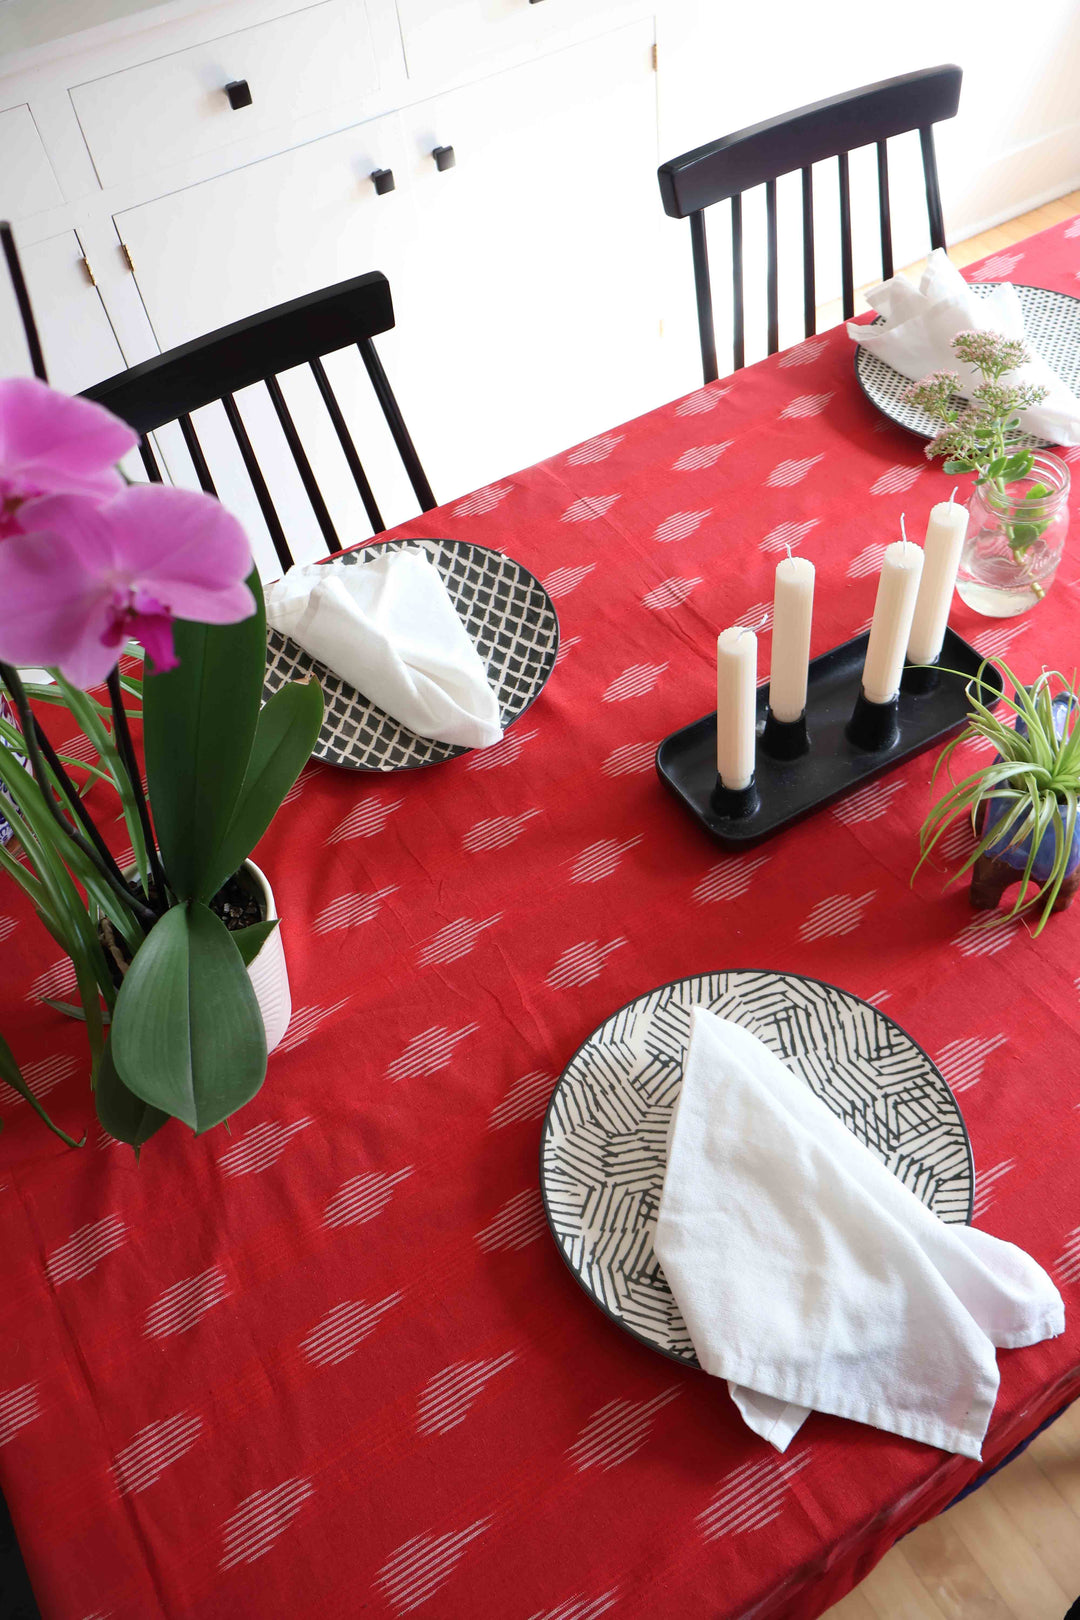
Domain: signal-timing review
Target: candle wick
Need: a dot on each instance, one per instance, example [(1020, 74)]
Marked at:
[(952, 497), (787, 543), (903, 531)]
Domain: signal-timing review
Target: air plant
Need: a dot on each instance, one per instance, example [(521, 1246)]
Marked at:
[(1023, 803)]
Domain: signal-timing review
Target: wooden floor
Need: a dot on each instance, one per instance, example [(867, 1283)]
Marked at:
[(1011, 1551), (976, 247)]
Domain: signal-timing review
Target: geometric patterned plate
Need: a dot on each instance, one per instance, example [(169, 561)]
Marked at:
[(510, 619), (604, 1143), (1051, 325)]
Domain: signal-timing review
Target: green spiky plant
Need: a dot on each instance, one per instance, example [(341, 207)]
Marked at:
[(1028, 793)]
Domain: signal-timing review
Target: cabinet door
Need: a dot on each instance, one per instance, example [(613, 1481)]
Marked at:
[(532, 306), (442, 37), (229, 247), (76, 337)]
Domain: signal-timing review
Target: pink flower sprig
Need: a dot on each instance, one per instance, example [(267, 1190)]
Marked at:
[(990, 352)]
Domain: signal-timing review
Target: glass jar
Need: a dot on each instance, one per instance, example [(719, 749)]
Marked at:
[(1015, 539)]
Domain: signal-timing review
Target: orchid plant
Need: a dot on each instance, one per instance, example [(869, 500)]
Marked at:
[(981, 437), (90, 566)]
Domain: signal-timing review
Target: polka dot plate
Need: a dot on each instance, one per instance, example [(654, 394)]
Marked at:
[(1051, 322)]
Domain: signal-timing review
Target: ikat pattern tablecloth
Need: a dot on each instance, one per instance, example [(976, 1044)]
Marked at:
[(331, 1363)]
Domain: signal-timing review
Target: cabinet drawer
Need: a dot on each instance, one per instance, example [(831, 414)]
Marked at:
[(444, 37), (176, 107), (27, 182)]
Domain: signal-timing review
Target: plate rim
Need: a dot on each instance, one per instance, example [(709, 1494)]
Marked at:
[(917, 433), (695, 1366), (420, 540)]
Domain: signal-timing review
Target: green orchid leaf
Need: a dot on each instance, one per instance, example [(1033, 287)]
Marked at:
[(10, 1071), (285, 734), (69, 1010), (199, 723), (126, 1117), (187, 1035), (250, 941)]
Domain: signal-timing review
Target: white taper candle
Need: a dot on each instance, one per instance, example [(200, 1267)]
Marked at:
[(945, 534), (793, 608), (898, 586), (736, 706)]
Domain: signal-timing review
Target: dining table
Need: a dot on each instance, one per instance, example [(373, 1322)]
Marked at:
[(327, 1360)]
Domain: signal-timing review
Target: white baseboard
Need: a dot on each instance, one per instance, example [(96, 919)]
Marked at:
[(1014, 183)]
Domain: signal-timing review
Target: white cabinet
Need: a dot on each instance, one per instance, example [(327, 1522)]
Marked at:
[(525, 294), (175, 107), (27, 181), (442, 37), (525, 274), (227, 248), (76, 336), (531, 303)]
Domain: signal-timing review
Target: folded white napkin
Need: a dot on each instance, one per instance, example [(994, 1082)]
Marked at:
[(389, 628), (811, 1279), (920, 323)]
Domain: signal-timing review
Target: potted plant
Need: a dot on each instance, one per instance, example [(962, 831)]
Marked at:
[(1020, 504), (164, 955), (1023, 802)]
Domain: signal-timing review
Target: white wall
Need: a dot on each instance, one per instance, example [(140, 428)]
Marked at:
[(1015, 141), (24, 23), (1014, 144)]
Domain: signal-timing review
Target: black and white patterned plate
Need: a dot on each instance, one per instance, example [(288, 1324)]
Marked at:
[(513, 625), (604, 1143), (1051, 323)]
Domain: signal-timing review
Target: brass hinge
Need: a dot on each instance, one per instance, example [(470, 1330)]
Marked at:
[(656, 58), (127, 256), (88, 270)]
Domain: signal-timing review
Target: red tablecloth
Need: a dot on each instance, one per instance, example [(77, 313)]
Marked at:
[(332, 1364)]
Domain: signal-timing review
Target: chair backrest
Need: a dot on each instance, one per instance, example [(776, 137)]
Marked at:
[(726, 168), (212, 369)]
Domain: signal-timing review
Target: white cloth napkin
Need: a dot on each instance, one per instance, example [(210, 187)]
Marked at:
[(920, 323), (389, 628), (811, 1279)]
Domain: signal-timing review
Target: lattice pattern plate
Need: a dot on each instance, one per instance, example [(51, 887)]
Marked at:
[(513, 625), (604, 1144), (1051, 322)]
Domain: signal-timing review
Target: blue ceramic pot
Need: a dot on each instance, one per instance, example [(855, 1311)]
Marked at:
[(996, 809)]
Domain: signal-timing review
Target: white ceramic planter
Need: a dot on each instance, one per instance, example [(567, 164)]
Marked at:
[(268, 972)]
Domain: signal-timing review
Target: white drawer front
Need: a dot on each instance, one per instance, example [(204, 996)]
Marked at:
[(27, 182), (444, 37), (176, 107)]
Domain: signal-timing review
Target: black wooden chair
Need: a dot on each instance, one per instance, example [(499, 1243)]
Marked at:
[(727, 168), (211, 369)]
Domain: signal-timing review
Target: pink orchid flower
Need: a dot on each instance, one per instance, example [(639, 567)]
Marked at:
[(83, 577), (51, 444)]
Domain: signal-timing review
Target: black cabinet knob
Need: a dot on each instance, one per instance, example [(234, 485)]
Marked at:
[(239, 94), (444, 157), (382, 180)]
